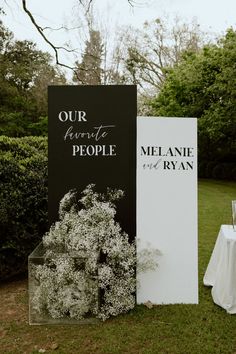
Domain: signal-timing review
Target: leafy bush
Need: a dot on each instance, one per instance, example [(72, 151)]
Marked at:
[(217, 170), (209, 168), (223, 171), (23, 200), (234, 174), (202, 165)]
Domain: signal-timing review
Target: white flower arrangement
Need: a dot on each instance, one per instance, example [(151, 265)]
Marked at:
[(90, 265)]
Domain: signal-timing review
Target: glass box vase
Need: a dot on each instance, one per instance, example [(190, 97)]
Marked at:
[(61, 289)]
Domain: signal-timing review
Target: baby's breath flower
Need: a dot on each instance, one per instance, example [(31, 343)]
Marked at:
[(86, 252)]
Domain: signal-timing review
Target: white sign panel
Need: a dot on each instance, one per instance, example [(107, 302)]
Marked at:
[(167, 208)]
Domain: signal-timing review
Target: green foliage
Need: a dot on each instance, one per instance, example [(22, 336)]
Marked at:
[(157, 47), (25, 73), (40, 127), (203, 85), (23, 200), (217, 170), (89, 71)]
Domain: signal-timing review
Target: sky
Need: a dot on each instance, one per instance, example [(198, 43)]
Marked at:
[(214, 16)]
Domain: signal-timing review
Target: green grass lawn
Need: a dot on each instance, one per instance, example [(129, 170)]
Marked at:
[(182, 329)]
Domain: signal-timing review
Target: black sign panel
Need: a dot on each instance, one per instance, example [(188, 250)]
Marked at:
[(92, 139)]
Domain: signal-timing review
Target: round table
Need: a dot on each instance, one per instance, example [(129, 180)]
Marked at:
[(221, 270)]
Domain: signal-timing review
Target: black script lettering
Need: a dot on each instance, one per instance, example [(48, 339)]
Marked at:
[(152, 166)]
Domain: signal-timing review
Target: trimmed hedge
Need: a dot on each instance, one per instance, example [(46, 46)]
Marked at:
[(23, 200)]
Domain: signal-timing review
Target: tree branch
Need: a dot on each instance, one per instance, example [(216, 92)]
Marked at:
[(88, 5), (134, 3), (61, 28), (40, 30)]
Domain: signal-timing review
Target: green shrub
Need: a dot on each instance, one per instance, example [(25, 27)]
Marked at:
[(218, 171), (234, 174), (209, 169), (224, 171), (23, 200), (202, 165), (228, 168)]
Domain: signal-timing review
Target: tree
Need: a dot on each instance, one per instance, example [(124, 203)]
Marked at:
[(156, 48), (86, 4), (147, 55), (100, 62), (25, 73), (89, 71), (203, 85)]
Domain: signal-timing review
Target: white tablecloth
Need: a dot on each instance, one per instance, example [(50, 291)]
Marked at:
[(221, 270)]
